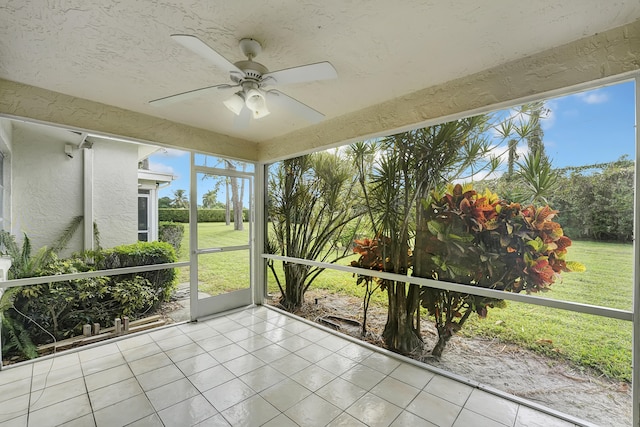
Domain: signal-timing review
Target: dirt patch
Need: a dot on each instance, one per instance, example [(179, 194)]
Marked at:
[(553, 383)]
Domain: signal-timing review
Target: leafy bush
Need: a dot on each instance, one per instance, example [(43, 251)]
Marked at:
[(479, 240), (171, 233), (144, 253), (204, 215)]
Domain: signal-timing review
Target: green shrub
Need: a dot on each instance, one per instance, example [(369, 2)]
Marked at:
[(144, 253), (172, 233), (204, 215)]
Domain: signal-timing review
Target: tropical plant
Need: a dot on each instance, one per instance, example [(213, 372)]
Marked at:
[(480, 240), (407, 168), (312, 198), (180, 199)]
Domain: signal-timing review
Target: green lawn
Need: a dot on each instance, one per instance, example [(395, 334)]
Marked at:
[(218, 272), (587, 340)]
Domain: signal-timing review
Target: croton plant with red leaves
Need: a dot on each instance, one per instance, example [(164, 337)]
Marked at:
[(480, 240)]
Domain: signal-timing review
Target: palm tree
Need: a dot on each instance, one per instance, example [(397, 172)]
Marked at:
[(209, 199), (180, 199)]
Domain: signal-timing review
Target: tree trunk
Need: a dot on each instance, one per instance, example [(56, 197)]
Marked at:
[(227, 207), (443, 338), (400, 333), (237, 205), (293, 296)]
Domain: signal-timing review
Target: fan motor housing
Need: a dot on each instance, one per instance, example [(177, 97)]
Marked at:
[(253, 70)]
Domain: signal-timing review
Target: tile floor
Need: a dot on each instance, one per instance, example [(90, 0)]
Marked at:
[(255, 367)]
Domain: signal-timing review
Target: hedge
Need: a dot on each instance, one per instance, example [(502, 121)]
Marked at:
[(144, 253), (204, 215)]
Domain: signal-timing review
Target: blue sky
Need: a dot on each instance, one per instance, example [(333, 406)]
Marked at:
[(590, 127)]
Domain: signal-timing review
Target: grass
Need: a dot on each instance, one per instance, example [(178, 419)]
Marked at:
[(218, 272), (591, 341), (586, 340)]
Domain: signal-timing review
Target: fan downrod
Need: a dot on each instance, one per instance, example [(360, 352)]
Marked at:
[(250, 48)]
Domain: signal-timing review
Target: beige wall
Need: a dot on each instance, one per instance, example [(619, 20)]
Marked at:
[(48, 188)]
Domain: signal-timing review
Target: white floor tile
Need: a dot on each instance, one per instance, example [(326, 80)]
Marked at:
[(210, 378), (434, 409), (228, 394), (528, 417), (186, 351), (448, 389), (149, 363), (14, 408), (262, 378), (285, 394), (254, 411), (337, 364), (57, 393), (188, 412), (281, 421), (492, 407), (467, 418), (243, 364), (197, 364), (408, 419), (108, 377), (228, 352), (271, 353), (114, 393), (313, 377), (192, 374), (363, 376), (172, 393), (395, 391), (290, 364), (98, 365), (159, 377), (152, 420), (346, 420), (341, 393), (374, 411), (412, 375), (61, 413), (14, 389), (124, 412), (313, 411)]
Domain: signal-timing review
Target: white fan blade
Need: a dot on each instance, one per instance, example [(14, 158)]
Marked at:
[(242, 120), (187, 95), (199, 47), (276, 97), (301, 74)]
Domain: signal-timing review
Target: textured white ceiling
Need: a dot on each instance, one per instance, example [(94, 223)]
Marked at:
[(120, 53)]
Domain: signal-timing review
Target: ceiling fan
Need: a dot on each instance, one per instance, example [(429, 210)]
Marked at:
[(252, 100)]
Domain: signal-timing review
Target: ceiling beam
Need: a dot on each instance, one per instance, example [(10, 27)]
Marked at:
[(30, 103)]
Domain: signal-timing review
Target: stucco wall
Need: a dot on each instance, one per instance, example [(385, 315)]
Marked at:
[(115, 192), (6, 137), (48, 188)]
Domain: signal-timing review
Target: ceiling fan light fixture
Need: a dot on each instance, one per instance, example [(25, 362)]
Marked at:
[(235, 103), (256, 102)]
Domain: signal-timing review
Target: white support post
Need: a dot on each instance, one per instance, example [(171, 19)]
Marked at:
[(88, 198), (635, 364), (193, 242), (258, 264)]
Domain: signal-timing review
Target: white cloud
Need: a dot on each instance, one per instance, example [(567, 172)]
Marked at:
[(170, 152), (161, 167), (597, 96)]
